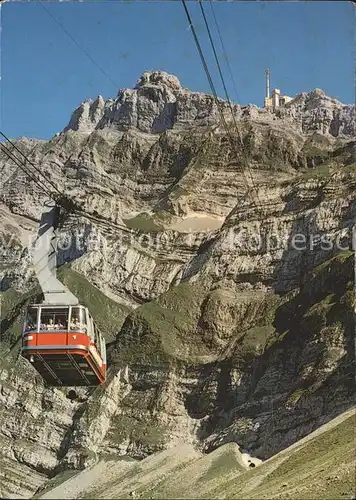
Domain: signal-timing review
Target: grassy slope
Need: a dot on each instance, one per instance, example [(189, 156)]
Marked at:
[(173, 331), (108, 314), (321, 466), (12, 311), (149, 223), (163, 328), (181, 324)]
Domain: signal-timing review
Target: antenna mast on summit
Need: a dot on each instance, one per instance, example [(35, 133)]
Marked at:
[(267, 82)]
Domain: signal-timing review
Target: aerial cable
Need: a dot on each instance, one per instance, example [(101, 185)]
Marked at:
[(31, 163), (191, 26), (17, 162), (228, 99), (61, 198), (78, 45), (217, 101), (212, 86), (224, 51), (218, 65), (215, 55), (233, 81), (20, 165), (58, 196)]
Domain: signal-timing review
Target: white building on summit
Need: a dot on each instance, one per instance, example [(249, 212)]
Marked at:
[(276, 100)]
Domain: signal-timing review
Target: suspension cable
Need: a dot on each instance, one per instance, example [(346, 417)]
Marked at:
[(223, 119), (78, 45), (31, 163), (224, 51), (217, 101), (21, 166), (62, 200), (227, 97)]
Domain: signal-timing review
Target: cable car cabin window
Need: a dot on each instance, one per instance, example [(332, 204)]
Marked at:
[(97, 339), (31, 319), (101, 345), (95, 335), (91, 331), (77, 320), (54, 319)]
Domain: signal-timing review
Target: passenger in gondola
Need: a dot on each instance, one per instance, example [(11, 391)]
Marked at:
[(74, 324), (77, 325), (51, 325)]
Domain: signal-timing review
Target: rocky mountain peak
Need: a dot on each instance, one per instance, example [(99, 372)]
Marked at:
[(159, 78), (315, 111), (158, 102), (317, 93)]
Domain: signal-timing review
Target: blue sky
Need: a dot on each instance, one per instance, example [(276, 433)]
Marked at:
[(45, 75)]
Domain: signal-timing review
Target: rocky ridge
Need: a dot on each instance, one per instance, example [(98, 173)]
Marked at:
[(215, 295)]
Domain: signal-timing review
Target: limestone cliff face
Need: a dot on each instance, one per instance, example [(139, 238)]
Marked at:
[(156, 104), (159, 102), (227, 301), (315, 111)]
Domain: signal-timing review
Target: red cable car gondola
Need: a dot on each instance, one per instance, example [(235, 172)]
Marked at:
[(60, 338), (64, 345)]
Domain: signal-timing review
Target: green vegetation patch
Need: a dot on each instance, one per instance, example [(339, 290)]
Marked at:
[(108, 314), (349, 168), (322, 468), (59, 479), (190, 324), (149, 223), (339, 258), (333, 447), (174, 316), (146, 434), (313, 151), (255, 340), (319, 172), (164, 328), (12, 315), (224, 464)]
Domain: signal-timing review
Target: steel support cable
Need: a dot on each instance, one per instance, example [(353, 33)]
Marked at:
[(64, 201), (228, 98), (199, 50), (233, 82), (78, 45), (19, 163), (216, 57), (38, 170), (224, 51), (206, 69), (22, 166), (214, 92), (59, 197)]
